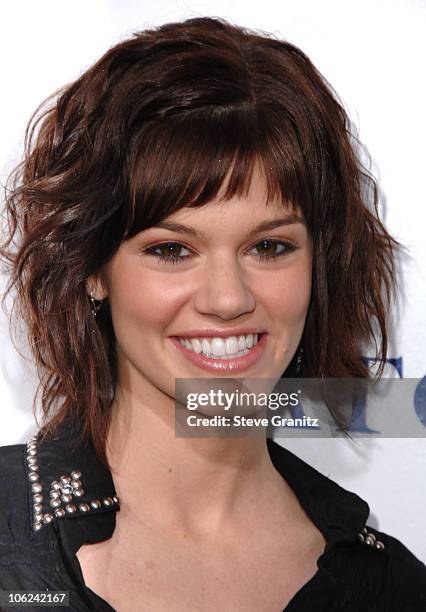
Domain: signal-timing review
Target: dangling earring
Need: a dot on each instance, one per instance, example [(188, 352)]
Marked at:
[(96, 305), (299, 361)]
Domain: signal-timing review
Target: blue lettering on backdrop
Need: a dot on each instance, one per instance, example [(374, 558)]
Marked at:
[(420, 401), (359, 407), (297, 411), (395, 362), (358, 422)]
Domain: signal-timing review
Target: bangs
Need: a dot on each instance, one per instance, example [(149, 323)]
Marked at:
[(193, 158)]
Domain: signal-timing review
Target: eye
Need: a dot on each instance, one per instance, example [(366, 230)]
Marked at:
[(167, 252), (273, 249), (171, 252)]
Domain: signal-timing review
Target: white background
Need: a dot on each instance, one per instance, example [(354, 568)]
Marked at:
[(373, 53)]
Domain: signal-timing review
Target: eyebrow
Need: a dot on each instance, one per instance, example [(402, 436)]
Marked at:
[(262, 227)]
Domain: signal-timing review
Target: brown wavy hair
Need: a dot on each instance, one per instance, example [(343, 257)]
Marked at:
[(155, 125)]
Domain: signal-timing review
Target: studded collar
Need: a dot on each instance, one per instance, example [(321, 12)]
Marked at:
[(71, 489), (66, 480)]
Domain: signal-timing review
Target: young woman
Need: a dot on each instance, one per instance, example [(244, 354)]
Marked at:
[(190, 207)]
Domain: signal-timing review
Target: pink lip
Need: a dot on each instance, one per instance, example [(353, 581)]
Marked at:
[(237, 364)]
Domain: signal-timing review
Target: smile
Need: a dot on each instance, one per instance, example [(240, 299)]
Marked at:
[(221, 348), (222, 354)]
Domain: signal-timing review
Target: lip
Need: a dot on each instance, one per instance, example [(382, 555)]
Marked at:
[(219, 333), (238, 364)]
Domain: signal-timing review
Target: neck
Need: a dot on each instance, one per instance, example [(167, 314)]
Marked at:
[(198, 485)]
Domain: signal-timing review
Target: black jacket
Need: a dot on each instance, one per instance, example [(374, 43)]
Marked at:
[(360, 570)]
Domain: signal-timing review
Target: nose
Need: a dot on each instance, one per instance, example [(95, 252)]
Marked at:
[(224, 291)]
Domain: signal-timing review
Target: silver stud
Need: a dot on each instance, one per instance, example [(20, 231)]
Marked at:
[(62, 490), (115, 498), (370, 539)]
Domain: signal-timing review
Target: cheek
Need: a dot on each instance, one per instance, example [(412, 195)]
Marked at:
[(143, 300), (289, 300)]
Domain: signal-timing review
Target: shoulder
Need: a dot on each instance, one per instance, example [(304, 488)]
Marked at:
[(12, 457), (404, 574), (407, 573), (16, 543), (19, 498), (13, 493)]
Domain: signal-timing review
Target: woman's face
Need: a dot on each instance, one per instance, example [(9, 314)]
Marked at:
[(207, 286)]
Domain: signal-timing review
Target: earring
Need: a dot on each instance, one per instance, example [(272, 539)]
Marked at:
[(96, 305), (299, 361)]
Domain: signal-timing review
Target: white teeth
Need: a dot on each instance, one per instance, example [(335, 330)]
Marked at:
[(196, 345), (218, 347), (231, 345), (205, 347), (233, 355), (242, 343), (221, 348)]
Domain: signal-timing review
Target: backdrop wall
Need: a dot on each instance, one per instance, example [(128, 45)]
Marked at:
[(372, 52)]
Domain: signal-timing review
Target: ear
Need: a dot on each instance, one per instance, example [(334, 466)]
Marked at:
[(96, 287)]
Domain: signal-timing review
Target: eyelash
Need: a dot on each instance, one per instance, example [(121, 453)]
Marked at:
[(175, 259)]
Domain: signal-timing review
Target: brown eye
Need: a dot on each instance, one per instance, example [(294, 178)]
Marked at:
[(168, 252), (169, 249), (273, 249)]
